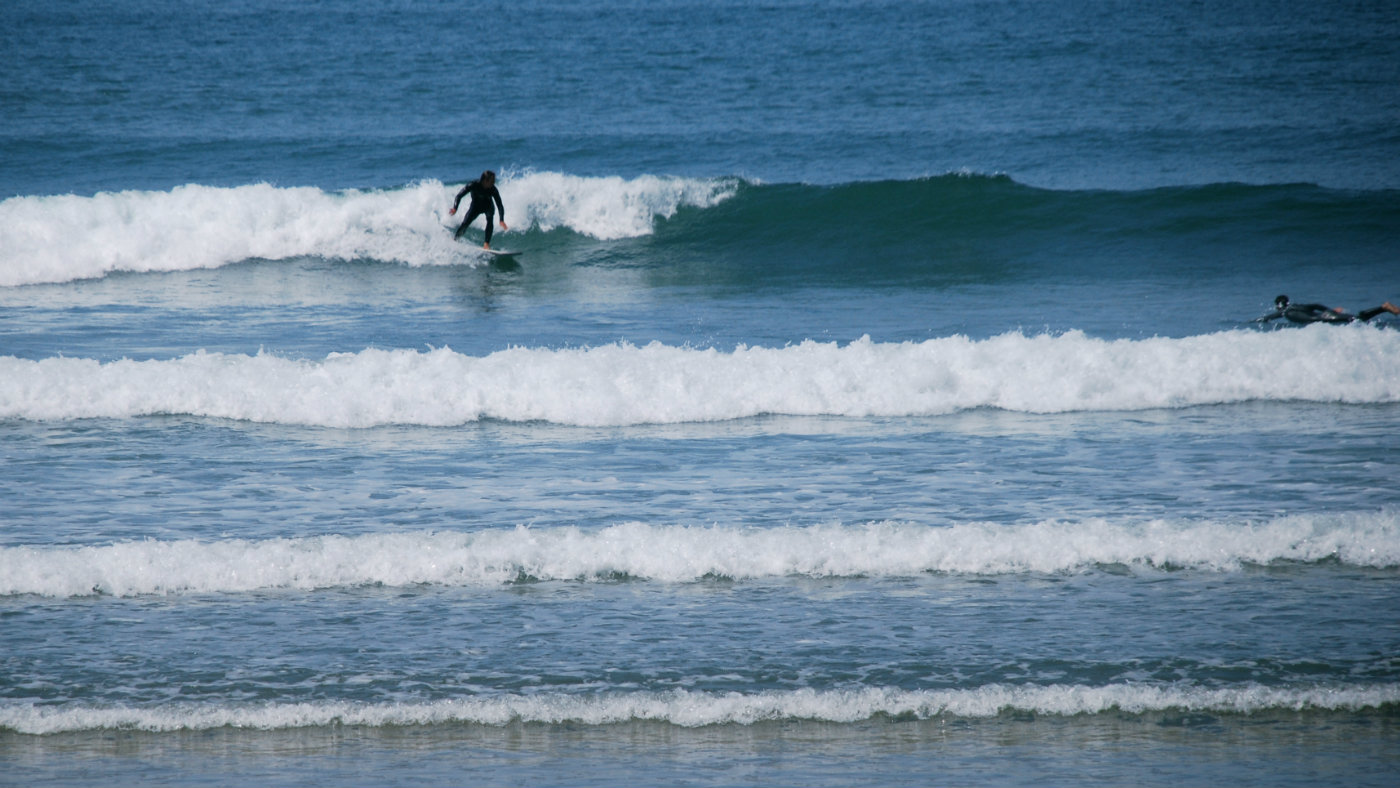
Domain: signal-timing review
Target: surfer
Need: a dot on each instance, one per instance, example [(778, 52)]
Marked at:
[(483, 192), (1317, 313)]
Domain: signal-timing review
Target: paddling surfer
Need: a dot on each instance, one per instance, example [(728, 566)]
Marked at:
[(483, 192), (1317, 313)]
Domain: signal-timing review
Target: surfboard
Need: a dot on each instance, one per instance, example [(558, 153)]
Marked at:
[(492, 252)]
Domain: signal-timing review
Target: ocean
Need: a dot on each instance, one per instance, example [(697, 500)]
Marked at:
[(878, 397)]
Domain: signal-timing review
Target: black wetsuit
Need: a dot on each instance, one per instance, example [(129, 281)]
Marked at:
[(482, 197), (1317, 313)]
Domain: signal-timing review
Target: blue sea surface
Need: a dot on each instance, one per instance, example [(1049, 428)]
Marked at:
[(881, 394)]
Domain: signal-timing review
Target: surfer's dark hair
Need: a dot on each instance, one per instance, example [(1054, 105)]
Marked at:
[(488, 177), (1281, 302)]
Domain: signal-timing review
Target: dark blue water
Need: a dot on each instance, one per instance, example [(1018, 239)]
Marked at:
[(878, 396), (346, 94)]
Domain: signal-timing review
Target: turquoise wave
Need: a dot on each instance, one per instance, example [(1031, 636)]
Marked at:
[(980, 228)]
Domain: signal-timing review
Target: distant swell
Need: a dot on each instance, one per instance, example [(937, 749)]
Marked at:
[(694, 709), (687, 554), (623, 384)]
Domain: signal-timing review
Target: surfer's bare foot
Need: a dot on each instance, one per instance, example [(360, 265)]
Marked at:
[(486, 246), (1391, 308)]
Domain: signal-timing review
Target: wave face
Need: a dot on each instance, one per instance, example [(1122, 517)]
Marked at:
[(983, 224), (679, 554), (622, 384)]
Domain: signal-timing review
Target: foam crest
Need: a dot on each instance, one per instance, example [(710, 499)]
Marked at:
[(622, 384), (694, 709), (609, 208), (65, 238), (679, 554)]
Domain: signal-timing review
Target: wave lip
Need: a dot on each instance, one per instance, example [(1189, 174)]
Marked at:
[(683, 554), (623, 384), (66, 238), (695, 709)]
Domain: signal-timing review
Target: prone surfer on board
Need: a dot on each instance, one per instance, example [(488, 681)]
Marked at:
[(1317, 313), (483, 192)]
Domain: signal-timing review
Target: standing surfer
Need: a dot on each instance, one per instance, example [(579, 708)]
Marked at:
[(483, 192)]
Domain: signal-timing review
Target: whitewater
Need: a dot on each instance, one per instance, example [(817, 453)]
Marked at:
[(63, 238), (621, 384), (689, 709), (687, 554)]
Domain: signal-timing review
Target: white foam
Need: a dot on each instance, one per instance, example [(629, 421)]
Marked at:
[(622, 384), (609, 207), (694, 709), (679, 554), (64, 238)]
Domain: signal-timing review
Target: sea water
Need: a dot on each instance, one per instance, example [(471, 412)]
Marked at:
[(877, 398)]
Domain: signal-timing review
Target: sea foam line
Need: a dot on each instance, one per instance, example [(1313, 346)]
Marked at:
[(681, 554), (623, 384), (693, 709), (69, 237)]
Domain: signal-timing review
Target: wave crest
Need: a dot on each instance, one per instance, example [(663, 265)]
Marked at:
[(694, 709), (65, 238), (623, 384), (680, 554)]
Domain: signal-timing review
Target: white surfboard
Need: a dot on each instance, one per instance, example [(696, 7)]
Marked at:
[(502, 252)]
